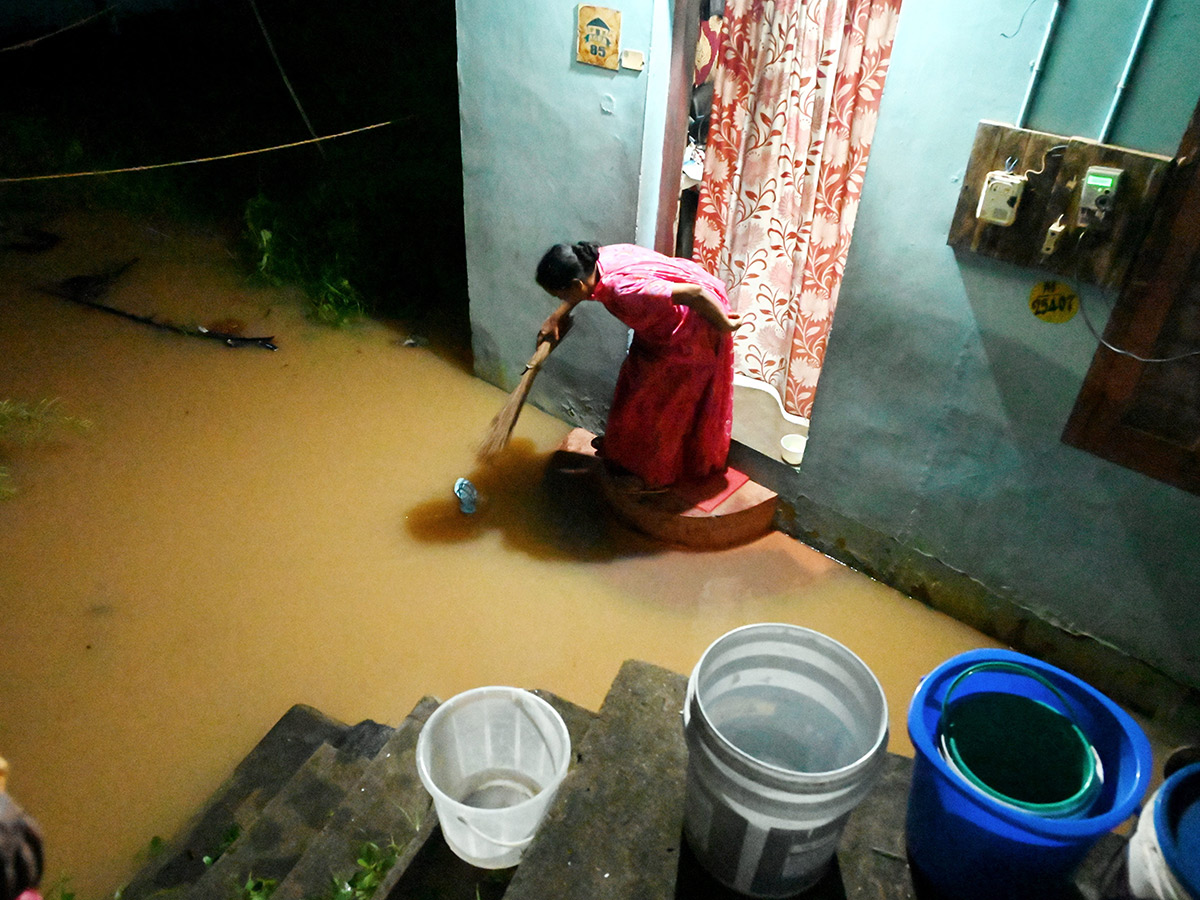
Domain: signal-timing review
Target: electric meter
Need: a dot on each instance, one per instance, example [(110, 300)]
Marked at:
[(1097, 193)]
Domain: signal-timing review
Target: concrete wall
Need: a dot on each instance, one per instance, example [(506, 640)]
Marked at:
[(938, 417), (553, 150)]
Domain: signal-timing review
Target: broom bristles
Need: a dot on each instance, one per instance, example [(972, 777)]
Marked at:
[(502, 425)]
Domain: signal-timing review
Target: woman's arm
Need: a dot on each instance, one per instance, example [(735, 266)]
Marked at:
[(557, 323), (711, 309)]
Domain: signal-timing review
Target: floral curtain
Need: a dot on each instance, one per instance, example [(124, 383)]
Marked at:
[(796, 98)]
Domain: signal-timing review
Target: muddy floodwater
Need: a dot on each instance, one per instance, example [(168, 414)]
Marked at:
[(241, 530)]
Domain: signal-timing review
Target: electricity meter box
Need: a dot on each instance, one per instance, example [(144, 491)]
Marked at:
[(1029, 197), (1097, 194)]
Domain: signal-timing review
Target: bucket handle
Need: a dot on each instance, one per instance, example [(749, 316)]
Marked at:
[(1016, 669), (512, 845), (537, 726)]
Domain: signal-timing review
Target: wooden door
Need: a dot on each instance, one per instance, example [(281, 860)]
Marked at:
[(1138, 413)]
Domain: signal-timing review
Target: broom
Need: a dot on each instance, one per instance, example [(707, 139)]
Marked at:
[(501, 428)]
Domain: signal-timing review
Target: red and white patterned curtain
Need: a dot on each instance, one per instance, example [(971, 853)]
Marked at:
[(796, 98)]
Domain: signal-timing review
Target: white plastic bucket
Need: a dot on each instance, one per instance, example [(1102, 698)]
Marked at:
[(787, 733), (492, 759)]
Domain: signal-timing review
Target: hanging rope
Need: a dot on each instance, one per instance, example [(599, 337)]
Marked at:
[(188, 162)]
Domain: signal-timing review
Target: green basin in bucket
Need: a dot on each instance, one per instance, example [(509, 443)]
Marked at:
[(1019, 750)]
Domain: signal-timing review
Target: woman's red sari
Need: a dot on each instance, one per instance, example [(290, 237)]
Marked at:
[(672, 411)]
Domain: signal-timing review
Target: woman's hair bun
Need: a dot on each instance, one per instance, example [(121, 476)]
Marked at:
[(587, 252)]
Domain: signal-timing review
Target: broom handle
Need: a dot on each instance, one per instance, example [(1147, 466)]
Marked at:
[(531, 369), (539, 356)]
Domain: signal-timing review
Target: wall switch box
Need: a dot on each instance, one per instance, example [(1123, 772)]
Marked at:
[(633, 59), (1056, 167), (1000, 197)]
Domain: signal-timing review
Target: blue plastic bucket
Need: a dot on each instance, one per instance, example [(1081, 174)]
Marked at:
[(1164, 852), (968, 844)]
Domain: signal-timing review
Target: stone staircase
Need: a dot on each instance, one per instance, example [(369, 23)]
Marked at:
[(302, 806)]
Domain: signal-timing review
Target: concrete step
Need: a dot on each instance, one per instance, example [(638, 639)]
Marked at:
[(237, 803), (298, 812), (306, 803), (614, 829), (315, 792), (383, 811), (719, 512)]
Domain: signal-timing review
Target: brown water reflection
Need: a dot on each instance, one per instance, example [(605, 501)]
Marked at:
[(243, 530), (547, 506)]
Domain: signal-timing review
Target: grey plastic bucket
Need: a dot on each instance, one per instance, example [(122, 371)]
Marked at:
[(787, 733)]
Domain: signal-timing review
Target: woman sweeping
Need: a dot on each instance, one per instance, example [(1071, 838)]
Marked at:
[(672, 411)]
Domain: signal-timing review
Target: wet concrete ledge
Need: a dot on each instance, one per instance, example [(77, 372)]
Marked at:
[(1171, 705)]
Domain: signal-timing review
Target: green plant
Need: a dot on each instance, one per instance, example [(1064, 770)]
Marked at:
[(25, 422), (231, 834), (374, 862), (258, 888), (60, 890), (297, 244), (336, 301)]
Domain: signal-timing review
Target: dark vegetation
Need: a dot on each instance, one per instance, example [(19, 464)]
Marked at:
[(371, 222)]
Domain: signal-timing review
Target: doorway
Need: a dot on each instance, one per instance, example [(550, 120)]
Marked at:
[(759, 419)]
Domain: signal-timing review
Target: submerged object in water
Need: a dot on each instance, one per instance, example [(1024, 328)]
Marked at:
[(467, 496), (88, 289)]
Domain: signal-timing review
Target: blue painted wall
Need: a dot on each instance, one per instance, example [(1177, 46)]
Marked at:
[(552, 151), (938, 417)]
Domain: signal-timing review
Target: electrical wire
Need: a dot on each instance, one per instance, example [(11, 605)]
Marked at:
[(188, 162), (1022, 22), (1045, 157), (1096, 334), (271, 46), (315, 139), (38, 40)]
